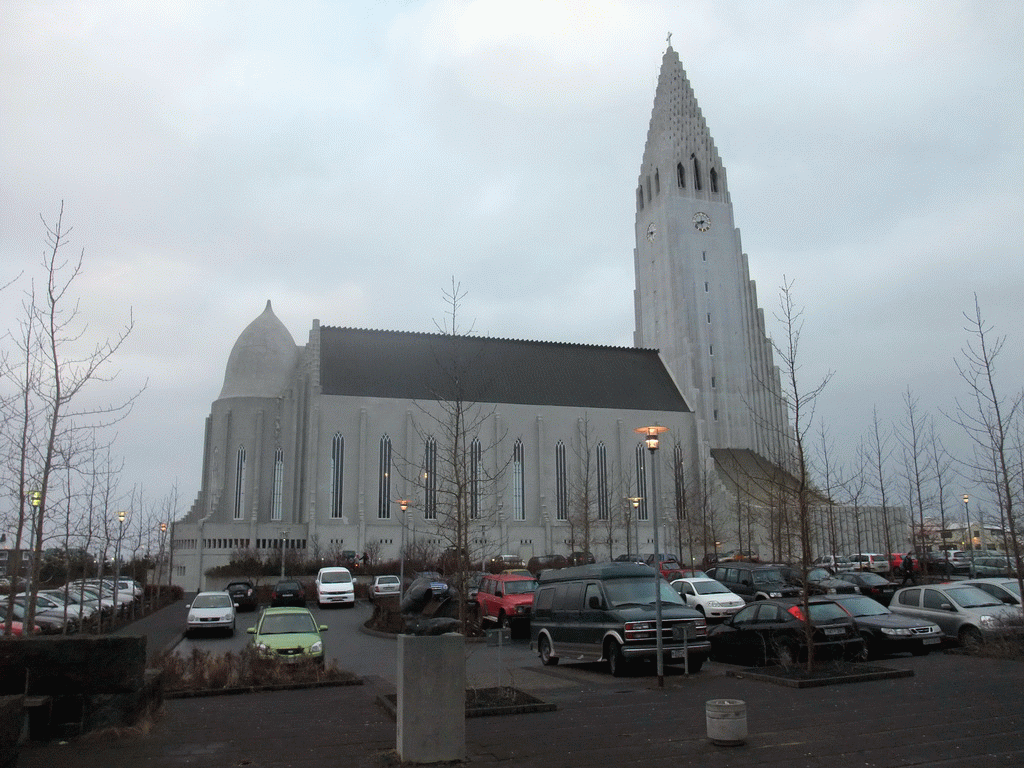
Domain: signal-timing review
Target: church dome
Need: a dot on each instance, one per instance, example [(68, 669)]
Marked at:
[(262, 361)]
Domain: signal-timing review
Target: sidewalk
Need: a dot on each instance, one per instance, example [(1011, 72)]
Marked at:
[(956, 710)]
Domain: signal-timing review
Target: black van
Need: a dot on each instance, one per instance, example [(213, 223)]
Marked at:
[(606, 612)]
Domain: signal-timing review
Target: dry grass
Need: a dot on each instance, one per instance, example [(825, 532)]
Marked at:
[(204, 671)]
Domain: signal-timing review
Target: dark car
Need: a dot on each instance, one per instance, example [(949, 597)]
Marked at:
[(582, 558), (871, 585), (499, 563), (244, 595), (539, 563), (288, 592), (752, 581), (819, 581), (629, 557), (885, 632), (774, 631)]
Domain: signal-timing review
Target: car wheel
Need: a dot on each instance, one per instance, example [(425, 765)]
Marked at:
[(970, 637), (544, 649), (616, 661)]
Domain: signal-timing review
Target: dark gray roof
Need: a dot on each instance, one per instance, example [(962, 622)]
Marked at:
[(425, 366)]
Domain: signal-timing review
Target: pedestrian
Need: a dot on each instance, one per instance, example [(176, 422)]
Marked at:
[(908, 569)]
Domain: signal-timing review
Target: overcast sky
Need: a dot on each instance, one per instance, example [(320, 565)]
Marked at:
[(346, 160)]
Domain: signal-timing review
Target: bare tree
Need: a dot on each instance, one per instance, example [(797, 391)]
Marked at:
[(991, 419), (800, 404), (912, 435), (879, 453)]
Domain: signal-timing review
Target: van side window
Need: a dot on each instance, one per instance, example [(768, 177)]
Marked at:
[(570, 599), (593, 590), (542, 600)]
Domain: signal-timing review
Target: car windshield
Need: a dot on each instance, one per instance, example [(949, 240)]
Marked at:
[(336, 577), (1013, 586), (287, 623), (864, 606), (971, 597), (239, 585), (709, 587), (817, 574), (826, 612), (212, 601), (387, 579), (770, 576), (523, 587), (291, 586), (639, 592)]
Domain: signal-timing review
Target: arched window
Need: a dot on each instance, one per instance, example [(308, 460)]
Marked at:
[(276, 499), (641, 480), (430, 479), (657, 182), (476, 472), (384, 480), (518, 482), (239, 482), (680, 483), (714, 181), (603, 500), (680, 176), (696, 172), (561, 483), (640, 198), (337, 474)]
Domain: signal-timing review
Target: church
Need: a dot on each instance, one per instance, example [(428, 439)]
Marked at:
[(369, 441)]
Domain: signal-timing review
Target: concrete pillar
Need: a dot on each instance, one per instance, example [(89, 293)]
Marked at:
[(431, 713)]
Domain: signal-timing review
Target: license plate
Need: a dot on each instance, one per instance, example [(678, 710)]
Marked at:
[(678, 653), (931, 641), (835, 631)]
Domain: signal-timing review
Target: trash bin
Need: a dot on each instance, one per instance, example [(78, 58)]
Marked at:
[(727, 722)]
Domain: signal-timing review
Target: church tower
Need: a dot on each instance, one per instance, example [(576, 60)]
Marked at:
[(694, 299)]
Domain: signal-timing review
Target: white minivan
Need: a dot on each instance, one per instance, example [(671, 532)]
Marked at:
[(334, 587)]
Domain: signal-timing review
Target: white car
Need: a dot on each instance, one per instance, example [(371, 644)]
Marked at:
[(384, 585), (209, 611), (710, 597), (870, 561), (334, 587)]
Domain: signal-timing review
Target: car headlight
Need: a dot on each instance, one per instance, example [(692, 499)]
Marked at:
[(192, 618), (317, 647), (774, 594), (988, 621), (901, 631), (262, 647)]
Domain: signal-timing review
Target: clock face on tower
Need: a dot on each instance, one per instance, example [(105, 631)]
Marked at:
[(652, 232), (701, 221)]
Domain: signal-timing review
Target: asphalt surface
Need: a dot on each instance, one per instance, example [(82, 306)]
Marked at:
[(956, 710)]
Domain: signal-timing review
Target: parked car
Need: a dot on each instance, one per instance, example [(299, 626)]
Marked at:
[(606, 612), (17, 628), (885, 632), (819, 581), (668, 565), (506, 599), (709, 597), (964, 612), (948, 562), (985, 567), (499, 563), (211, 611), (870, 561), (84, 608), (384, 586), (45, 622), (775, 631), (288, 592), (835, 562), (581, 558), (288, 634), (244, 595), (871, 585), (753, 581), (64, 615), (539, 563), (1003, 589), (334, 586)]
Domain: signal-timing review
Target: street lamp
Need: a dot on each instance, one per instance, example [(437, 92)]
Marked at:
[(403, 504), (970, 533), (651, 439), (635, 501), (284, 541)]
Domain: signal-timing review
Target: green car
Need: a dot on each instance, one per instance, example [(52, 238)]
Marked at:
[(289, 634)]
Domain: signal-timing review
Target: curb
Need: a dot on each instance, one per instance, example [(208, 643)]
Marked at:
[(874, 673)]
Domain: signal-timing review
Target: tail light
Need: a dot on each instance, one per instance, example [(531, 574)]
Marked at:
[(796, 612)]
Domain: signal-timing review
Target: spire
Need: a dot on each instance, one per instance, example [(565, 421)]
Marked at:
[(679, 144)]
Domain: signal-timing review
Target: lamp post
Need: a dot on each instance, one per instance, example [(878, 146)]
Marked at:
[(970, 533), (403, 504), (651, 439), (284, 541), (635, 501)]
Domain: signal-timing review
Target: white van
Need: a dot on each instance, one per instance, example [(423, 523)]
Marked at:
[(334, 587)]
